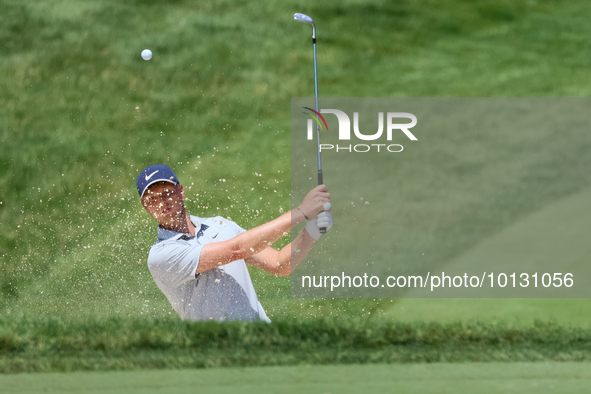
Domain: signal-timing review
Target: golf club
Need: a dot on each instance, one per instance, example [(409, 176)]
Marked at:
[(306, 19)]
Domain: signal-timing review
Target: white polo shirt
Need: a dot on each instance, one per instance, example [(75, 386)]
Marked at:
[(221, 293)]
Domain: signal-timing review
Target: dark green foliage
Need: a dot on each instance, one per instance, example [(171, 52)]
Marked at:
[(118, 343)]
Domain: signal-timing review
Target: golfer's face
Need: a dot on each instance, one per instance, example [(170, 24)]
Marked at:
[(164, 202)]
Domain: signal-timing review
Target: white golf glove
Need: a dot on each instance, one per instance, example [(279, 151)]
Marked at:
[(313, 226)]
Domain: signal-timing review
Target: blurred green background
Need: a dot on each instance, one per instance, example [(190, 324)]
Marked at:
[(492, 186), (82, 114)]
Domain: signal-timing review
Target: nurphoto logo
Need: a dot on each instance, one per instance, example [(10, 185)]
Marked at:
[(392, 126)]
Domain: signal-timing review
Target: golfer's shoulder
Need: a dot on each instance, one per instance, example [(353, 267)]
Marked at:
[(223, 224), (164, 250)]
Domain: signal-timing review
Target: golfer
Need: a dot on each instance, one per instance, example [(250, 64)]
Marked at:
[(200, 263)]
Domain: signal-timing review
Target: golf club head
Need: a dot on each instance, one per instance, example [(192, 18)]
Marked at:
[(303, 18)]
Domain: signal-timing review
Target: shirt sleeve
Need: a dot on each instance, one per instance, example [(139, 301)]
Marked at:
[(232, 225), (174, 263), (236, 227)]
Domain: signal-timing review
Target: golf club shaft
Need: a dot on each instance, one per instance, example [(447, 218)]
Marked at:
[(320, 180), (306, 19)]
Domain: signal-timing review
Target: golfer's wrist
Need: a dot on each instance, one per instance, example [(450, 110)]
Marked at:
[(306, 217), (296, 217)]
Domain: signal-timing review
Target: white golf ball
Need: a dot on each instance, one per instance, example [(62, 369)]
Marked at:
[(146, 54)]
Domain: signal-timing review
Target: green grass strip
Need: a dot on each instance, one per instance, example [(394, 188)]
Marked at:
[(48, 345)]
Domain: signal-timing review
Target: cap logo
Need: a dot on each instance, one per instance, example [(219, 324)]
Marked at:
[(150, 176)]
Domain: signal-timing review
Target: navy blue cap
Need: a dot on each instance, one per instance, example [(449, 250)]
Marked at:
[(152, 174)]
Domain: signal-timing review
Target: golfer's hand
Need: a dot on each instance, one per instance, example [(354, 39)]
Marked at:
[(314, 202), (313, 226)]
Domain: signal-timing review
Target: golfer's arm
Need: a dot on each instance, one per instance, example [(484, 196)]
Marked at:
[(283, 262), (248, 243), (301, 247)]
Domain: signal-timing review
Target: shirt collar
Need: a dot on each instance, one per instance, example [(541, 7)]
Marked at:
[(164, 234)]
